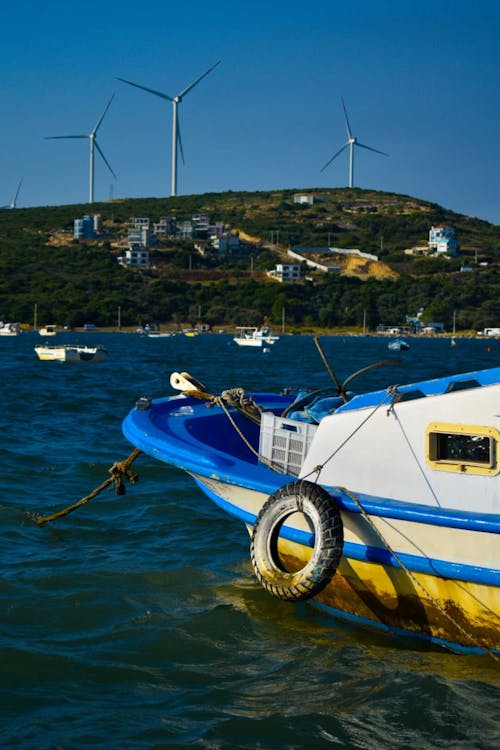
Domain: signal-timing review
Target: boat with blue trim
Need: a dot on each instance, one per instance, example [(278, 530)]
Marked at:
[(382, 508), (398, 345)]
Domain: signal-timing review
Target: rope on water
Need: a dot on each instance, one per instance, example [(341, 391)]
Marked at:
[(118, 471)]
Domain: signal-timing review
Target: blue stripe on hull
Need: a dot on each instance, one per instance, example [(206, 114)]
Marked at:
[(376, 555), (399, 632)]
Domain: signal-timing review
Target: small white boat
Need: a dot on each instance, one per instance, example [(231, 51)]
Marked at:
[(9, 329), (251, 336), (71, 353), (398, 345), (49, 330), (160, 334)]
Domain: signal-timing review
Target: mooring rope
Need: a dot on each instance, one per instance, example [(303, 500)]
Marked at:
[(119, 471)]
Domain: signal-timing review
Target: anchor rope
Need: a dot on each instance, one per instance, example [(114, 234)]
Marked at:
[(119, 471)]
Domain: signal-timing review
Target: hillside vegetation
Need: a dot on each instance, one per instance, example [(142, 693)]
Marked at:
[(75, 282)]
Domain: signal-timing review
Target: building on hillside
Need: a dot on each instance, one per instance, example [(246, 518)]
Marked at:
[(442, 241), (185, 230), (141, 222), (303, 199), (97, 223), (286, 272), (140, 236), (201, 223), (135, 257), (164, 227), (225, 242), (315, 257), (84, 228)]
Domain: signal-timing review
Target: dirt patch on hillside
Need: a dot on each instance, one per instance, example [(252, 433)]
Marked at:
[(365, 269)]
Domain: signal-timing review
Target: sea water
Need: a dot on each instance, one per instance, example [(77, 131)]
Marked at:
[(136, 621)]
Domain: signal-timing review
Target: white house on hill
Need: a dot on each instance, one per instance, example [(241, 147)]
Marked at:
[(442, 241), (285, 272), (303, 198)]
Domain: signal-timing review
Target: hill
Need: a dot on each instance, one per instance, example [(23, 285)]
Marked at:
[(74, 282)]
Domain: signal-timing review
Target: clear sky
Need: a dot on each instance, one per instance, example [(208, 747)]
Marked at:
[(420, 79)]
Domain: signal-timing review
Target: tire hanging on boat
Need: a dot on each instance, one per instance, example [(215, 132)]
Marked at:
[(323, 513)]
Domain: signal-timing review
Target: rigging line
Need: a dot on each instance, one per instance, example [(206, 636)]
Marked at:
[(420, 467), (391, 391), (218, 401)]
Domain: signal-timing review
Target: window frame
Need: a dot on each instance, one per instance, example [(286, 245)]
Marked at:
[(462, 467)]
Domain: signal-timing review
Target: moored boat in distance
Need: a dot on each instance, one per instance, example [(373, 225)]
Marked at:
[(252, 336), (71, 353), (9, 329), (398, 345), (49, 330), (383, 508)]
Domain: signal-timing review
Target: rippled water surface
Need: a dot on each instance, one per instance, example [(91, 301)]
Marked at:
[(136, 622)]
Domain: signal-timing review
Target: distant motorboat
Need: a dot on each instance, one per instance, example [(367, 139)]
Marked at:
[(49, 330), (71, 353), (251, 336), (160, 334), (9, 329), (398, 345)]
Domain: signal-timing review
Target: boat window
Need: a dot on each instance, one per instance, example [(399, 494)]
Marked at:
[(463, 448)]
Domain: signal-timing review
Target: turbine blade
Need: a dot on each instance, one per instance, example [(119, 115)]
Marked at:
[(346, 119), (104, 159), (193, 84), (179, 141), (369, 148), (17, 191), (151, 91), (58, 137), (102, 116), (334, 157)]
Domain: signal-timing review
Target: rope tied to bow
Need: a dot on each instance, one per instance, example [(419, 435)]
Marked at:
[(118, 471)]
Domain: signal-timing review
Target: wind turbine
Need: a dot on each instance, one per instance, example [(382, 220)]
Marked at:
[(351, 143), (14, 201), (176, 133), (93, 144)]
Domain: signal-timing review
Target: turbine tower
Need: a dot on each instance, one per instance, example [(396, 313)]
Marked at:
[(351, 143), (93, 144), (176, 133)]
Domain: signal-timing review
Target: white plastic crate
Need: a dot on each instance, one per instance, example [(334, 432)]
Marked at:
[(285, 442)]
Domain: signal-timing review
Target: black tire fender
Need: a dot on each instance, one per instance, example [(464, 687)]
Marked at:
[(323, 514)]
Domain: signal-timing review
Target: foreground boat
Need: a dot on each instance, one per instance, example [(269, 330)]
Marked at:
[(248, 336), (383, 508), (71, 353)]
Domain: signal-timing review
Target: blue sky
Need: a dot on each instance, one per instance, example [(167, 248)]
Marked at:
[(420, 80)]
